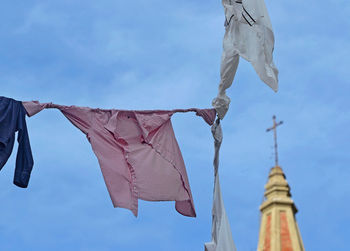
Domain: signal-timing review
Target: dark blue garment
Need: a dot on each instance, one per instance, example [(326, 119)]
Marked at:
[(12, 120)]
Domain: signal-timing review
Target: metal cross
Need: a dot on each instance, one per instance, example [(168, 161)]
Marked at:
[(274, 127)]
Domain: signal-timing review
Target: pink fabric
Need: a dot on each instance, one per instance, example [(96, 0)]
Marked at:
[(33, 107), (137, 152)]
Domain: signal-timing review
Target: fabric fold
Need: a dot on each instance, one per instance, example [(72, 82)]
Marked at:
[(137, 152), (34, 107)]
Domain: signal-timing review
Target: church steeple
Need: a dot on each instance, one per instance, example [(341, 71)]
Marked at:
[(278, 228)]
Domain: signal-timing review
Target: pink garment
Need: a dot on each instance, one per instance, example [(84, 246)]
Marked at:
[(137, 152)]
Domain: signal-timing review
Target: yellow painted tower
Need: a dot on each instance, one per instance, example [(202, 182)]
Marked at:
[(279, 230)]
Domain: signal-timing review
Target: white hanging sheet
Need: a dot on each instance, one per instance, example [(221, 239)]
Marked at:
[(249, 35), (221, 231)]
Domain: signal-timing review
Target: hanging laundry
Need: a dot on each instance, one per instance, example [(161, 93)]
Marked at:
[(249, 35), (12, 120), (221, 231), (137, 152)]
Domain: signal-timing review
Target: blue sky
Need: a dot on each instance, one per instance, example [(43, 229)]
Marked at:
[(163, 55)]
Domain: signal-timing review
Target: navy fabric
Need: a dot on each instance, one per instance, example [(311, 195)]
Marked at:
[(12, 120)]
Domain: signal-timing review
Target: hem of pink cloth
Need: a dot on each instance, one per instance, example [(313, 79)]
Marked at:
[(125, 206), (188, 202)]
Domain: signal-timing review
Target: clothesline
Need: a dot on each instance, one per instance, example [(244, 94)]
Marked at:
[(33, 107)]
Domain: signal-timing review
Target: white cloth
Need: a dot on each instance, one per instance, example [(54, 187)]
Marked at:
[(249, 35), (221, 231)]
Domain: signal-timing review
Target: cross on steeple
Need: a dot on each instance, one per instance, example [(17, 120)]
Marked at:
[(274, 128)]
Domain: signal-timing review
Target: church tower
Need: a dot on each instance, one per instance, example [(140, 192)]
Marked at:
[(278, 228)]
